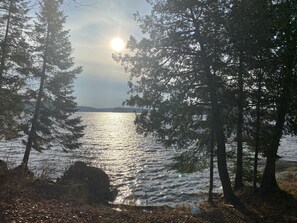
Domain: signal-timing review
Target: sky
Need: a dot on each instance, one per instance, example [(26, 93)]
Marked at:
[(93, 24)]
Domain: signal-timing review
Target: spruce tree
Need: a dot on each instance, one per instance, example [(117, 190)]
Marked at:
[(15, 63), (53, 122)]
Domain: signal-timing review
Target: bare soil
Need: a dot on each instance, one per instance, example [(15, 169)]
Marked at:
[(21, 202)]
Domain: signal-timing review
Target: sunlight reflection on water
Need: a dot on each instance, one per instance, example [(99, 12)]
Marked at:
[(135, 164)]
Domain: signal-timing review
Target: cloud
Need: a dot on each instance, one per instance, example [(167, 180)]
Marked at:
[(103, 82)]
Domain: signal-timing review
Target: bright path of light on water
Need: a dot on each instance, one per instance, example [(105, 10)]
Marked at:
[(117, 44), (138, 166)]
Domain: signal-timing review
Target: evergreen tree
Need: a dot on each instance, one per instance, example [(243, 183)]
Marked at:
[(258, 65), (53, 122), (14, 65), (282, 83), (248, 47), (270, 52), (211, 166), (176, 70), (238, 34)]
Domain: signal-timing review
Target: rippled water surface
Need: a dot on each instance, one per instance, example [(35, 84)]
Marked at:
[(135, 164)]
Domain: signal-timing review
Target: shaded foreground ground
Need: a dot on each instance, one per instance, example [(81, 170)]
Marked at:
[(20, 201)]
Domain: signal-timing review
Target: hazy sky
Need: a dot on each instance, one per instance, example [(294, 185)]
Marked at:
[(103, 82)]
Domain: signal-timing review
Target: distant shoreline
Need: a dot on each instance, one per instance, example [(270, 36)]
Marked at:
[(116, 109)]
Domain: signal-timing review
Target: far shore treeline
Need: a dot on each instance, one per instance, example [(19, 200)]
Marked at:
[(116, 109), (206, 76)]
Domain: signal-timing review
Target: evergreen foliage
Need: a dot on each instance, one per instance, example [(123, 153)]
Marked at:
[(237, 58), (15, 65), (52, 121), (282, 84), (177, 72), (206, 71)]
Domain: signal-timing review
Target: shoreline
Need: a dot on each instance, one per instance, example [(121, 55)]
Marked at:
[(284, 169), (23, 203)]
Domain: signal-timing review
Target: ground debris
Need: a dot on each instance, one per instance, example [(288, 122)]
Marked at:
[(24, 209), (25, 205)]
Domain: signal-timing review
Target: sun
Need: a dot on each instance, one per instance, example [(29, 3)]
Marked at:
[(117, 44)]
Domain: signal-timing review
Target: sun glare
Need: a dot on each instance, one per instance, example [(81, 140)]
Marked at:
[(117, 44)]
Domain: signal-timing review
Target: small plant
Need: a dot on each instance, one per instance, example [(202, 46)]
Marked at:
[(46, 170)]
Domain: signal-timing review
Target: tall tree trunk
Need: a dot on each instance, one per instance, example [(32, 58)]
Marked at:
[(37, 107), (219, 133), (269, 183), (257, 134), (4, 44), (238, 178), (221, 147), (229, 196), (210, 194)]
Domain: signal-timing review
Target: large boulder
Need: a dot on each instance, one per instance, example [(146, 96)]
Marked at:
[(87, 183)]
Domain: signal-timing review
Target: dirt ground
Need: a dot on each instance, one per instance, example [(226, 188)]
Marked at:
[(19, 202)]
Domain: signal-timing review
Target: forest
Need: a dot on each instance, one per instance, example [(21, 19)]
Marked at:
[(210, 77)]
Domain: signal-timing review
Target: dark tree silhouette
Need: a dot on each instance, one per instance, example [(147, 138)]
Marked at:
[(176, 70), (53, 122), (284, 81), (15, 65)]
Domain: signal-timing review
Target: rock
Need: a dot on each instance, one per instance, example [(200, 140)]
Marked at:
[(3, 171), (3, 168), (49, 189), (88, 183)]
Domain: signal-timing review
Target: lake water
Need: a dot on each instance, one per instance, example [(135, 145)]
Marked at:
[(137, 165)]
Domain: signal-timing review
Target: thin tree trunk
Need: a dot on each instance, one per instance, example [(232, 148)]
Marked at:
[(257, 136), (219, 135), (229, 196), (238, 178), (33, 129), (221, 151), (210, 194)]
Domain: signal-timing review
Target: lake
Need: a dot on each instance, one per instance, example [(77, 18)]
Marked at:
[(137, 165)]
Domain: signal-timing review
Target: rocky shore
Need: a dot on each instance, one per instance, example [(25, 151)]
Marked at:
[(23, 198)]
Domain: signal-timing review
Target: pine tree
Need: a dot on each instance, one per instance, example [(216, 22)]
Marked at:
[(14, 65), (53, 122)]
